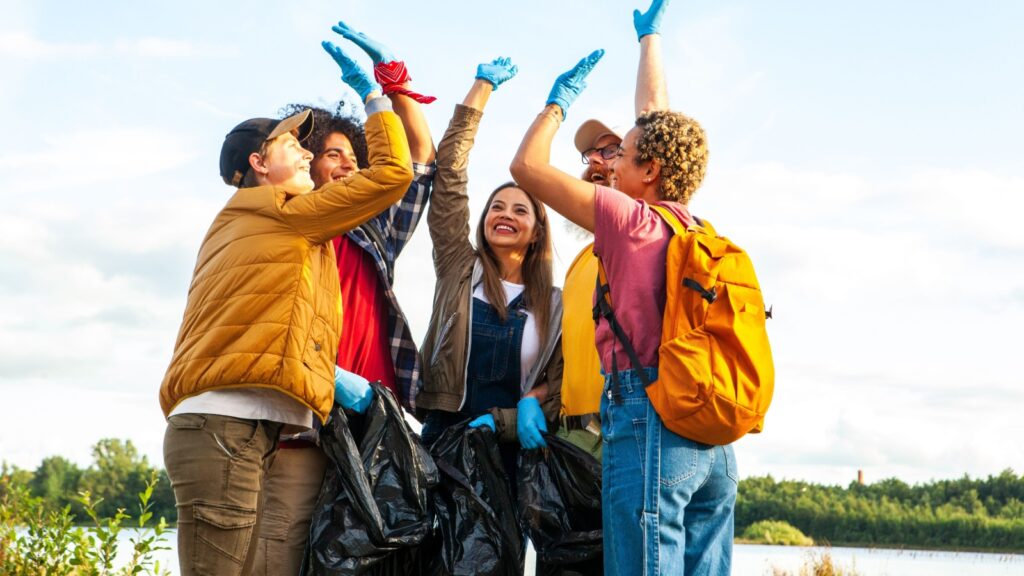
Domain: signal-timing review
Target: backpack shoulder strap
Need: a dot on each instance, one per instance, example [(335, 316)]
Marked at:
[(669, 218), (699, 224), (603, 309)]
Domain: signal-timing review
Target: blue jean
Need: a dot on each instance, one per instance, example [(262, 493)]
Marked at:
[(668, 502)]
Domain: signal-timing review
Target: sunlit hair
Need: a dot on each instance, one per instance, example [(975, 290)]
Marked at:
[(537, 274), (678, 144), (344, 120)]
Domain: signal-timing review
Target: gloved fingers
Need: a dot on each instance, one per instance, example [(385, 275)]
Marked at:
[(541, 443), (344, 29), (374, 49), (339, 55), (485, 420), (587, 64)]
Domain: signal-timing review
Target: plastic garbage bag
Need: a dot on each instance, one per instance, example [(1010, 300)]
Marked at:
[(560, 505), (375, 495), (476, 531)]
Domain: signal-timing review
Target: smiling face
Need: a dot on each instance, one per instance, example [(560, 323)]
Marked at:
[(509, 220), (337, 161), (628, 176), (598, 169), (285, 163)]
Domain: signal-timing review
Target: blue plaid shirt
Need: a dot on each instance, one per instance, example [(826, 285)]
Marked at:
[(383, 237)]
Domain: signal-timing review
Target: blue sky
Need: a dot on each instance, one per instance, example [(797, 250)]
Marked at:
[(868, 156)]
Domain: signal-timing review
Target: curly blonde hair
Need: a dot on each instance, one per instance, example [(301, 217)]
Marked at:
[(680, 147)]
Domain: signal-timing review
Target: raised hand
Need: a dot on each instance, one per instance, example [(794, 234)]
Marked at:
[(530, 424), (377, 52), (649, 22), (569, 85), (499, 71), (351, 73)]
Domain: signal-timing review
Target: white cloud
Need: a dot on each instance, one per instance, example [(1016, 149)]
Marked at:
[(25, 46), (20, 45), (75, 162)]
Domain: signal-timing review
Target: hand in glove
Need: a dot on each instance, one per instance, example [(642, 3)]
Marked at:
[(351, 73), (649, 22), (352, 391), (377, 52), (485, 420), (499, 71), (530, 424), (569, 85)]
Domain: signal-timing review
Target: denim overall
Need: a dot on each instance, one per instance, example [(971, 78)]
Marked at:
[(493, 375)]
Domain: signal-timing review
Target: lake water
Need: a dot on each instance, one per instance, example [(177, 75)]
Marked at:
[(752, 560)]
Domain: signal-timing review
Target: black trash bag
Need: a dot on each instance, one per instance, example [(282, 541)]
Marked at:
[(475, 527), (375, 495), (560, 504)]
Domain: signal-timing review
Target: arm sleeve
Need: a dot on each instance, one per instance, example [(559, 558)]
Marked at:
[(448, 215), (340, 206)]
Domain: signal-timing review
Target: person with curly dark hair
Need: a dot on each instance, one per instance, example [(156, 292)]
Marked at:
[(376, 343), (667, 501)]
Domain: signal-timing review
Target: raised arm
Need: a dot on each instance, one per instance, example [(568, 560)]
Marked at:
[(395, 79), (448, 215), (531, 168), (340, 206), (651, 90)]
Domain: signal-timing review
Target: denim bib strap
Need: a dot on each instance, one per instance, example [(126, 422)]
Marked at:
[(493, 378)]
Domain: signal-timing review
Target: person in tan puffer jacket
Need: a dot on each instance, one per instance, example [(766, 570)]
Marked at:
[(256, 351)]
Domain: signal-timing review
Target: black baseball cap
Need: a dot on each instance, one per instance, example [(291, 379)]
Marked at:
[(247, 138)]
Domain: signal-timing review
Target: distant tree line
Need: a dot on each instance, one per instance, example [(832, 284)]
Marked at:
[(981, 514), (117, 475)]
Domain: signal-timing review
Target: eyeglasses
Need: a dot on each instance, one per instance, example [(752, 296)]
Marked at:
[(607, 153)]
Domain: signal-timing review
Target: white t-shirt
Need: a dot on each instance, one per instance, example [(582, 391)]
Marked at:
[(530, 347), (249, 404)]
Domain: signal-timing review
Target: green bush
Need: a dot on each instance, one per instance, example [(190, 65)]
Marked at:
[(37, 541), (775, 532)]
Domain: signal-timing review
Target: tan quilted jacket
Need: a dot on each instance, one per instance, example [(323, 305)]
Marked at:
[(264, 308)]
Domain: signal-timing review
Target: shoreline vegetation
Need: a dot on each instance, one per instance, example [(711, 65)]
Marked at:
[(59, 513)]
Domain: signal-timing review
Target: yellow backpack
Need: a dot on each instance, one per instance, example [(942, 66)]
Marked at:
[(715, 370)]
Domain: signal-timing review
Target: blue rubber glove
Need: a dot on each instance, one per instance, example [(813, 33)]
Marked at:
[(530, 424), (497, 72), (649, 22), (352, 391), (375, 50), (569, 85), (485, 420), (351, 73)]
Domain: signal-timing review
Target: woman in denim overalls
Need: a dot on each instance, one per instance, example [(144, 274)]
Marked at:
[(492, 352)]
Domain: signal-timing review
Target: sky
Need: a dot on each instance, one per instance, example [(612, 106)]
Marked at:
[(867, 155)]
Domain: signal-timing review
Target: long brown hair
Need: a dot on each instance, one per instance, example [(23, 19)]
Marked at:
[(537, 274)]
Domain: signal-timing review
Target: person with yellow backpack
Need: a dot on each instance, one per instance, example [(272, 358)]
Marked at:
[(597, 143), (680, 336)]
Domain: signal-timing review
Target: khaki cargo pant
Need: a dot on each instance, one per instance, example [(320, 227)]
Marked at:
[(217, 466), (290, 493)]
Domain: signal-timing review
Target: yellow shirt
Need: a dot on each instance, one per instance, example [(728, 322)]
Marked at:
[(581, 379)]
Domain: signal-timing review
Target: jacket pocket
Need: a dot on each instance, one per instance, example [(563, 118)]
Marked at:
[(317, 355)]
